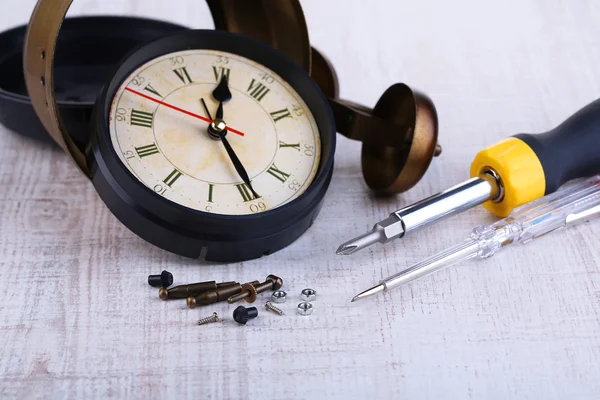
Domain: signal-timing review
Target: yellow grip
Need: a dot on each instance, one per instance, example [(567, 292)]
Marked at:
[(521, 174)]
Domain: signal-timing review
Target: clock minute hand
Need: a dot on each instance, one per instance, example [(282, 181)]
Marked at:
[(237, 164), (217, 129)]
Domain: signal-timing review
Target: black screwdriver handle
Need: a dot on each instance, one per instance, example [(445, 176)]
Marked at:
[(571, 150)]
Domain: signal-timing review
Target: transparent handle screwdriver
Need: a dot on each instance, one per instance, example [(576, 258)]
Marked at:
[(576, 202)]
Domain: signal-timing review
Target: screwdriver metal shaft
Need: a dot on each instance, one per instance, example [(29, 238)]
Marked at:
[(450, 202), (576, 203)]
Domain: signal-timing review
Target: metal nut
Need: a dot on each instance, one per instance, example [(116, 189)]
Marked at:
[(309, 295), (279, 297), (305, 308)]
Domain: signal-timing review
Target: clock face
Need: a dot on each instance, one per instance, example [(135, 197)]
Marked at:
[(160, 130)]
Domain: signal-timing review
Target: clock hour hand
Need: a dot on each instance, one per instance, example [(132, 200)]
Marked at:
[(222, 94)]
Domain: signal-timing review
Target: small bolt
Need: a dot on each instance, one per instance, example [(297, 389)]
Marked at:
[(191, 290), (221, 294), (241, 315), (165, 279), (209, 320), (250, 291), (270, 307)]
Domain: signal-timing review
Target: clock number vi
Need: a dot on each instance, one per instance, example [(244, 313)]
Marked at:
[(183, 75)]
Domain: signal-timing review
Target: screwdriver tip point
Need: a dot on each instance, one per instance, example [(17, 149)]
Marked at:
[(344, 250), (369, 292), (359, 243)]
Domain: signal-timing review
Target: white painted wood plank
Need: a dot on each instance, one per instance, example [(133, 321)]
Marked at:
[(78, 320)]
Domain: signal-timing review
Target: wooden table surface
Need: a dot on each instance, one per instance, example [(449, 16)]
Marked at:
[(78, 319)]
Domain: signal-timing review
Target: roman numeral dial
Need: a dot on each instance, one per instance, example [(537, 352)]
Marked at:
[(257, 90), (294, 146), (142, 118), (172, 178), (220, 72), (246, 193), (281, 114), (148, 150), (183, 75), (150, 89), (278, 174), (159, 127)]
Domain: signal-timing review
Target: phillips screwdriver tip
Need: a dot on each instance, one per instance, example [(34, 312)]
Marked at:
[(383, 232), (359, 243), (369, 292), (345, 250)]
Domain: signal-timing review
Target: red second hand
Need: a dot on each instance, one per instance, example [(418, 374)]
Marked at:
[(181, 110)]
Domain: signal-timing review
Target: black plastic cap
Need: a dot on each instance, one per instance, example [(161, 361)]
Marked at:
[(241, 315), (165, 279)]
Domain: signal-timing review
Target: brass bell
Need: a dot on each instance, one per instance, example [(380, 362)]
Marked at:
[(399, 135)]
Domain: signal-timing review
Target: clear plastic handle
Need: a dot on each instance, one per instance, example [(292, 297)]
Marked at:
[(576, 202)]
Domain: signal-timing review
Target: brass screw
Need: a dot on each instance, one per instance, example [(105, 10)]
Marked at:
[(221, 294), (191, 290), (250, 291), (209, 320), (270, 307)]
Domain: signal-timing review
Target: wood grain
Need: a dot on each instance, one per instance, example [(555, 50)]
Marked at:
[(78, 319)]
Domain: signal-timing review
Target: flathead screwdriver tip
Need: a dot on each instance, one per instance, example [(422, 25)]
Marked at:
[(369, 292)]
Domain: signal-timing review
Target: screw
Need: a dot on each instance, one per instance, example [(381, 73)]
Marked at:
[(165, 279), (209, 320), (241, 315), (214, 296), (249, 291), (191, 290), (270, 307)]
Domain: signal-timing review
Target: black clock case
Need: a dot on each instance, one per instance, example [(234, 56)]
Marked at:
[(192, 233), (88, 50)]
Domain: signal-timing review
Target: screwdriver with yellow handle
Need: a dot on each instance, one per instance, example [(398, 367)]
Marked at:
[(510, 173)]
